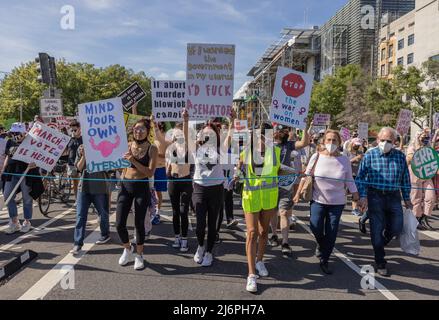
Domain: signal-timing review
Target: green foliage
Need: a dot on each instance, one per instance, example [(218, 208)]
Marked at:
[(79, 82)]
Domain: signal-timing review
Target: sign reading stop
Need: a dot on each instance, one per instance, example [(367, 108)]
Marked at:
[(293, 85)]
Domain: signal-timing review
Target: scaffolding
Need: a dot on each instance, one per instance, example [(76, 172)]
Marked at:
[(334, 48)]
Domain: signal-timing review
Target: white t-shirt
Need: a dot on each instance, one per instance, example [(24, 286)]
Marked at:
[(208, 167)]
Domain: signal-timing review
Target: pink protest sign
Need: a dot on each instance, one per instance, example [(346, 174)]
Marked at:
[(321, 119), (404, 121)]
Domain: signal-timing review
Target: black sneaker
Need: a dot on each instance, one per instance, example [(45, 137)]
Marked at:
[(324, 266), (103, 239), (382, 270), (286, 249), (274, 241), (362, 226)]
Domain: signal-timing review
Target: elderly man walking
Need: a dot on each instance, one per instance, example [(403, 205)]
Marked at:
[(382, 178)]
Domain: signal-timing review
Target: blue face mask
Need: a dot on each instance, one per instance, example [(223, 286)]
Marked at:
[(425, 142)]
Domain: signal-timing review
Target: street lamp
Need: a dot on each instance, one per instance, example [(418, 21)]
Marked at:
[(21, 95), (432, 85)]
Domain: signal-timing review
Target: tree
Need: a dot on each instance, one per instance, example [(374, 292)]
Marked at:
[(79, 82)]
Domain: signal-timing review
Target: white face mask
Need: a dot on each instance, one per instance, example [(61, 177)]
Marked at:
[(331, 148), (385, 147)]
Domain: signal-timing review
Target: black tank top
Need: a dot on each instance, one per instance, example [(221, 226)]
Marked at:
[(143, 161)]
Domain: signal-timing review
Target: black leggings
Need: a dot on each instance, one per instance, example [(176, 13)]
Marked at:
[(227, 206), (207, 202), (180, 193), (140, 193)]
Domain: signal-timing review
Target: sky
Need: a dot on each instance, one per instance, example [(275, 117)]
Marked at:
[(151, 35)]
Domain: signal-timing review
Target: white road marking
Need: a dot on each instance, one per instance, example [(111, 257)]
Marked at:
[(40, 289)]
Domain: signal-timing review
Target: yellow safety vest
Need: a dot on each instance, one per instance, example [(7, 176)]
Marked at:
[(261, 192)]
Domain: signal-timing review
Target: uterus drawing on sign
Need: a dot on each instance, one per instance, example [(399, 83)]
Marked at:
[(105, 147)]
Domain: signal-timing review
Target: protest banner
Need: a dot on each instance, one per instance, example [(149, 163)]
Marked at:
[(425, 163), (104, 134), (42, 146), (132, 95), (168, 98), (436, 121), (321, 119), (50, 108), (363, 130), (210, 77), (404, 121), (291, 98), (345, 134)]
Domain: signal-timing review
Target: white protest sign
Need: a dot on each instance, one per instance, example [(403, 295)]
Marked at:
[(62, 122), (345, 134), (168, 98), (363, 130), (51, 108), (210, 77), (104, 135), (317, 129), (42, 146), (241, 125), (404, 120), (321, 119), (436, 121), (291, 98)]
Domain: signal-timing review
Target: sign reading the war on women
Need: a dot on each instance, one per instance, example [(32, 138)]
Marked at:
[(363, 130), (321, 119), (104, 135), (42, 146), (168, 98), (132, 95), (50, 108), (210, 76), (425, 163), (291, 98), (404, 120)]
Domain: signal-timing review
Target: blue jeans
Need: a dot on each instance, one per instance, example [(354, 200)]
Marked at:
[(27, 199), (324, 223), (100, 201), (386, 220)]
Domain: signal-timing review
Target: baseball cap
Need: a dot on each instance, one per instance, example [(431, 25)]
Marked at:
[(357, 142), (18, 127)]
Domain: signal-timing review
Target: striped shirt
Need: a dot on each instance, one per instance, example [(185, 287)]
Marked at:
[(385, 172)]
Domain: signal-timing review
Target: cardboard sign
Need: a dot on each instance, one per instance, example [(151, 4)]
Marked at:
[(132, 95), (62, 122), (291, 98), (321, 119), (404, 121), (168, 98), (241, 126), (425, 163), (104, 135), (436, 121), (210, 78), (345, 134), (42, 146), (51, 108), (363, 130)]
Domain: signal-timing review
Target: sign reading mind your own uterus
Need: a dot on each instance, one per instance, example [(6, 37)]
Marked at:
[(104, 135)]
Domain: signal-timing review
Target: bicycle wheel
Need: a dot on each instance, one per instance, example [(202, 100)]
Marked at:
[(64, 187), (45, 199)]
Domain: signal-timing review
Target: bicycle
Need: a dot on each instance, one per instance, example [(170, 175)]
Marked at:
[(56, 186)]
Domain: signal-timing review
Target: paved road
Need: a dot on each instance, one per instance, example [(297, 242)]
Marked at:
[(170, 274)]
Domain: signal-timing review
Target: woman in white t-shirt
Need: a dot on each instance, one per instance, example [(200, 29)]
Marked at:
[(208, 192)]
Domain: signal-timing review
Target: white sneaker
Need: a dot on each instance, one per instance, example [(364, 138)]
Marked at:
[(207, 260), (184, 247), (177, 242), (198, 257), (139, 262), (126, 256), (251, 284), (13, 228), (26, 227), (262, 270)]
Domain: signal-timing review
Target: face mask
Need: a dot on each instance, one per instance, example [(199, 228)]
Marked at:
[(385, 147), (331, 148)]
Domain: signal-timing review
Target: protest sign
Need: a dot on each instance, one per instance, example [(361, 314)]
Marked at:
[(291, 98), (321, 119), (317, 129), (210, 77), (168, 98), (241, 125), (104, 135), (425, 163), (404, 120), (345, 134), (62, 122), (42, 146), (50, 108), (436, 121), (132, 95), (363, 130)]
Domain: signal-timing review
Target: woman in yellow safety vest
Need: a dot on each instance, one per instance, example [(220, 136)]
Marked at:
[(260, 162)]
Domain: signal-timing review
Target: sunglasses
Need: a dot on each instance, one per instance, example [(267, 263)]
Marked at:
[(141, 129)]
